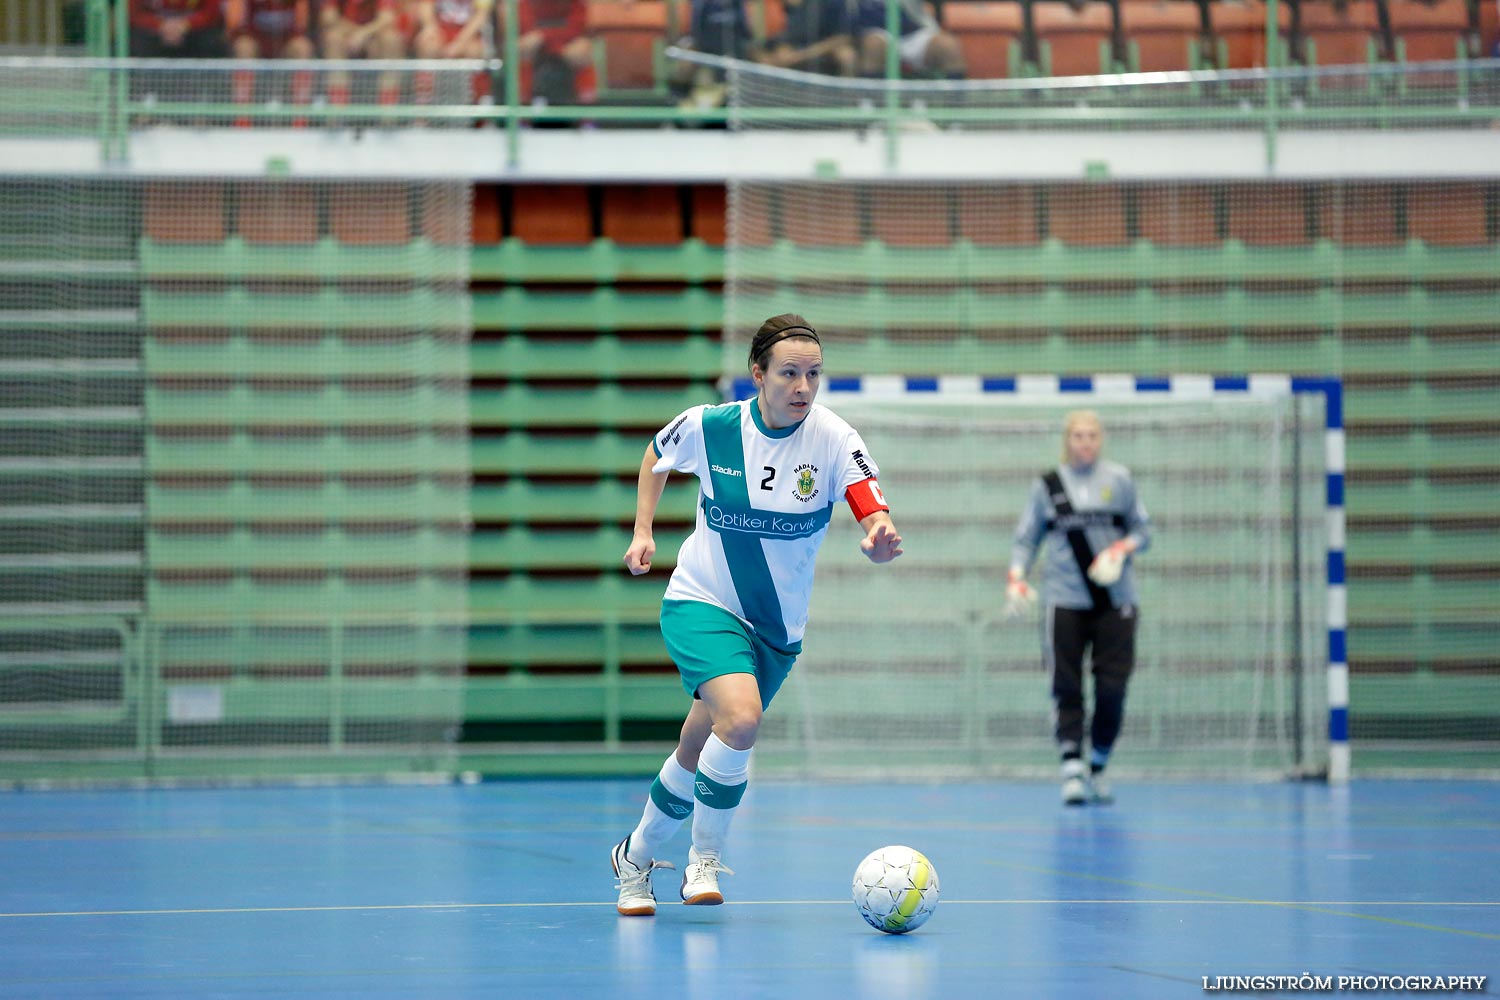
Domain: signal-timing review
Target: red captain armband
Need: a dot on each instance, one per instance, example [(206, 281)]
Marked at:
[(865, 498)]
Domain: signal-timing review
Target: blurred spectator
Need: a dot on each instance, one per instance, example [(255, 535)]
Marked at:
[(557, 55), (818, 38), (372, 29), (715, 27), (269, 29), (451, 29), (924, 47), (176, 29)]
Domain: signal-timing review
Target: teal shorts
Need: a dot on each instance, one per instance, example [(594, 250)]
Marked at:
[(707, 642)]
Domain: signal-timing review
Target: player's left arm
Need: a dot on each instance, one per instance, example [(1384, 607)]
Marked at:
[(1137, 522), (881, 543)]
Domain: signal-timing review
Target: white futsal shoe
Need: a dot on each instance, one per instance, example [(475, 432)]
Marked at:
[(1075, 786), (634, 882), (700, 880), (1099, 791)]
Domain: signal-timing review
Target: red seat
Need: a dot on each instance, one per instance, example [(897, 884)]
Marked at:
[(1340, 35), (278, 212), (1177, 216), (551, 213), (1489, 27), (1161, 35), (1264, 215), (1358, 214), (910, 216), (370, 214), (985, 30), (1074, 37), (710, 209), (1239, 31), (754, 218), (185, 212), (642, 214), (1429, 31), (1446, 214), (821, 216), (448, 220), (630, 33), (1087, 215), (998, 215)]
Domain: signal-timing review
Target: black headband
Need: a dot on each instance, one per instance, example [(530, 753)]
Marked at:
[(783, 334)]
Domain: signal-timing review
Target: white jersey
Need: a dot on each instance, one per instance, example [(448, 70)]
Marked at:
[(764, 503)]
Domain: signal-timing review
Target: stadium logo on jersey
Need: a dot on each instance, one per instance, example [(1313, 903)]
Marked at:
[(806, 485), (724, 470)]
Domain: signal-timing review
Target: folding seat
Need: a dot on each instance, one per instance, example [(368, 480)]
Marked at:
[(990, 32), (370, 214), (1177, 215), (1446, 214), (631, 37), (551, 213), (995, 215), (710, 204), (278, 212), (1161, 35), (642, 214), (185, 212), (1345, 34), (902, 216), (1355, 215), (1074, 42), (1087, 215), (836, 223), (1267, 215), (1239, 33)]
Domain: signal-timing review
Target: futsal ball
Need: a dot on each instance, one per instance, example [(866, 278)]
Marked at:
[(895, 889)]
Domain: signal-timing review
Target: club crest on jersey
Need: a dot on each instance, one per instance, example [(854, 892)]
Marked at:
[(805, 485)]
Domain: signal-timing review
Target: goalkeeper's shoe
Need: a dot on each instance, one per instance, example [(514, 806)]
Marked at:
[(1100, 792), (1075, 786), (700, 880), (634, 882)]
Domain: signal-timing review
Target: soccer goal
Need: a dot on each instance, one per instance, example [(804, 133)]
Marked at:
[(912, 669)]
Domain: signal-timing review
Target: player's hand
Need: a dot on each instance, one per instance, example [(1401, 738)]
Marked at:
[(638, 556), (1109, 564), (1019, 596), (882, 544)]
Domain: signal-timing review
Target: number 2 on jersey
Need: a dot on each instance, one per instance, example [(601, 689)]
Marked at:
[(765, 483)]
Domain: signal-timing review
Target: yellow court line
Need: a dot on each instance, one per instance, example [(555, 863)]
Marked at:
[(357, 908), (1309, 907)]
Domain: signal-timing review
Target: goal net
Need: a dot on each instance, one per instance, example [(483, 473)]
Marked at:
[(234, 477), (913, 668)]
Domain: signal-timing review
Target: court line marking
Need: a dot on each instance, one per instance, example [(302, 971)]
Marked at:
[(1216, 901), (1306, 907)]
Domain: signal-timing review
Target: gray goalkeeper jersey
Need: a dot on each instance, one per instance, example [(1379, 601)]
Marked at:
[(1103, 496)]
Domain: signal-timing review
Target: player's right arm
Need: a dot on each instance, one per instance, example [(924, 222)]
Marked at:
[(648, 490), (1019, 594)]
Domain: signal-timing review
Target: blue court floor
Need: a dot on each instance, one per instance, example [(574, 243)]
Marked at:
[(503, 891)]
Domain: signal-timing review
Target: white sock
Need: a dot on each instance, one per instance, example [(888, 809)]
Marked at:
[(720, 784), (670, 802)]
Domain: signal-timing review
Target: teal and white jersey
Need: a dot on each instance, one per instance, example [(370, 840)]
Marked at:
[(765, 501)]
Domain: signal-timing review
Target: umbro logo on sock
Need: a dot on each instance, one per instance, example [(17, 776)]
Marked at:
[(703, 790), (680, 810)]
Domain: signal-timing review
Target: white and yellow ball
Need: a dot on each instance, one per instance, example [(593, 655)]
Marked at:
[(895, 889)]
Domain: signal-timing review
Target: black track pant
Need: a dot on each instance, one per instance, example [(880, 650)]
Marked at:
[(1109, 638)]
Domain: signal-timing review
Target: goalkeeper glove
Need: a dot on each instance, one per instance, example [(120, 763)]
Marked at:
[(1109, 564), (1019, 597)]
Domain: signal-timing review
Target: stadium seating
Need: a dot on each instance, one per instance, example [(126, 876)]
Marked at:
[(1074, 41), (1239, 32), (629, 39), (991, 33), (1161, 35), (1429, 31), (1347, 34)]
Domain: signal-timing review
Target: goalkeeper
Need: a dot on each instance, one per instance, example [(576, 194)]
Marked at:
[(1088, 512)]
